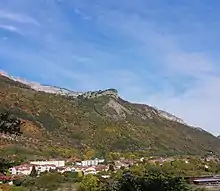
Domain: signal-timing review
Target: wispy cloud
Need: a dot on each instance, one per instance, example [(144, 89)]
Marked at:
[(21, 18), (80, 13), (10, 28), (162, 47)]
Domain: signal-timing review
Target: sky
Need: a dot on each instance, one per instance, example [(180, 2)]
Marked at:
[(164, 53)]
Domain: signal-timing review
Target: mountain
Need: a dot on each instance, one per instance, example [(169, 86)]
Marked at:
[(42, 88), (60, 122)]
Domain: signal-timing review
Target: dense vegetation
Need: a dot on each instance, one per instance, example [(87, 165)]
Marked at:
[(9, 125), (67, 127)]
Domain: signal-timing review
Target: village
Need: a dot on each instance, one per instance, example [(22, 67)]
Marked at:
[(100, 167), (85, 167)]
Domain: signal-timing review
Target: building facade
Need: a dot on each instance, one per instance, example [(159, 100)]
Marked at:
[(56, 163)]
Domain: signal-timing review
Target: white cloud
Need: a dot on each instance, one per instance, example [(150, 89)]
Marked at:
[(10, 28), (164, 48), (193, 64), (21, 18), (199, 106), (82, 14)]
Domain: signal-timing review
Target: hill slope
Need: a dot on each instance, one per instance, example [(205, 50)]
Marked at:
[(100, 121)]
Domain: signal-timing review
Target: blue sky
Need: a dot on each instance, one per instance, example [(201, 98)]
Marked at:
[(160, 52)]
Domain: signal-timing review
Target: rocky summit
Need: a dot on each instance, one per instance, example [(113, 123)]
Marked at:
[(60, 122)]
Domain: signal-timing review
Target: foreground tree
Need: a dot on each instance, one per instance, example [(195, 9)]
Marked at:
[(89, 183), (11, 126), (33, 172), (49, 181), (4, 165), (150, 182)]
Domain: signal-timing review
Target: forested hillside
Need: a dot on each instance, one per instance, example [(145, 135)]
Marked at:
[(58, 125)]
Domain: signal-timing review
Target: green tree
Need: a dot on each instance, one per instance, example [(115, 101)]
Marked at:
[(33, 172), (155, 181), (72, 177), (18, 188), (111, 168), (89, 183), (17, 182), (4, 164), (28, 182), (50, 181)]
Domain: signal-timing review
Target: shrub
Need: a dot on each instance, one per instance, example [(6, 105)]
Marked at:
[(17, 182), (50, 181)]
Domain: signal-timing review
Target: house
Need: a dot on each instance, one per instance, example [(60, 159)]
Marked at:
[(105, 176), (79, 168), (90, 170), (211, 158), (101, 168), (66, 169), (4, 178), (73, 160), (52, 162), (26, 169), (44, 168), (94, 162), (123, 163), (60, 169), (207, 181)]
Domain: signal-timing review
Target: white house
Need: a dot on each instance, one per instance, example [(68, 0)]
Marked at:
[(56, 163), (94, 162), (90, 170), (44, 168), (21, 170), (66, 169), (27, 168)]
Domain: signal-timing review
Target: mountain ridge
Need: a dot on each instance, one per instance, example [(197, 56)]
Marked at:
[(100, 122), (88, 94), (59, 90)]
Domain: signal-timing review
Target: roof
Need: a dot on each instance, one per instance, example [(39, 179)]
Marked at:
[(100, 168), (23, 167), (207, 180), (7, 178), (90, 169)]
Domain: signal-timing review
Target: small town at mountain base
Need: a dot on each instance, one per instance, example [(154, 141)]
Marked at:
[(194, 172)]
